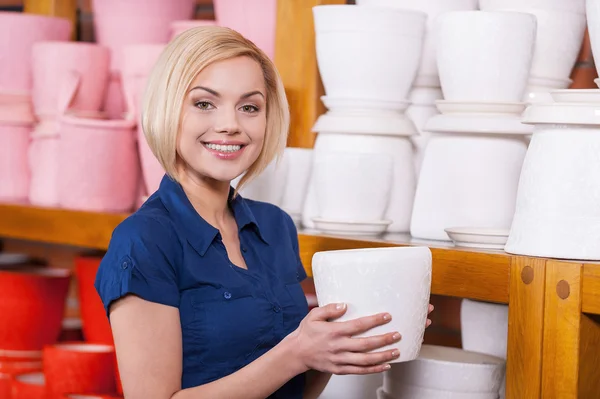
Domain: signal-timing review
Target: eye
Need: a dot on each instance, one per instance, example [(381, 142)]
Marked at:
[(204, 105), (250, 109)]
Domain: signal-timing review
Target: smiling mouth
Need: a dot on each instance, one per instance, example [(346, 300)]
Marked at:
[(225, 148)]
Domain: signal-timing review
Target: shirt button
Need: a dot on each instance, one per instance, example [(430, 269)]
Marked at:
[(276, 309), (244, 249), (227, 295), (124, 265)]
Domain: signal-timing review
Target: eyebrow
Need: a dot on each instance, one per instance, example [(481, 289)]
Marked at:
[(216, 94)]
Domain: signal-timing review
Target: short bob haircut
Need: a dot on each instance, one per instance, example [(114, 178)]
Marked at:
[(171, 79)]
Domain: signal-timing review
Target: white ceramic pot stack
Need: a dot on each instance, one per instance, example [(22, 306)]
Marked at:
[(368, 58), (560, 29), (592, 12), (426, 86), (557, 213), (473, 160), (352, 386), (443, 372)]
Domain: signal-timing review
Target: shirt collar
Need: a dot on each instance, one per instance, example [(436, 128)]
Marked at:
[(199, 233)]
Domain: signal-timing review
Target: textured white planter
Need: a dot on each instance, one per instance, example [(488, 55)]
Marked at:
[(484, 327), (560, 30), (269, 186), (446, 369), (403, 185), (351, 186), (428, 74), (299, 162), (352, 387), (467, 180), (370, 281), (420, 111), (412, 392), (370, 53), (557, 213), (593, 25), (474, 45)]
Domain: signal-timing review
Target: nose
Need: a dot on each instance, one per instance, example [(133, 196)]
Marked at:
[(226, 121)]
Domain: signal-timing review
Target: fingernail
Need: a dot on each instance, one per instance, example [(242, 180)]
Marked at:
[(395, 354), (387, 317), (431, 307), (340, 306), (428, 322), (387, 367), (396, 336)]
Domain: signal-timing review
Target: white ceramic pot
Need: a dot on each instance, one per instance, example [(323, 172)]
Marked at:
[(484, 327), (593, 26), (412, 392), (558, 38), (370, 54), (427, 75), (571, 6), (403, 185), (269, 186), (474, 45), (467, 180), (299, 162), (394, 280), (352, 386), (447, 369), (557, 213), (352, 187)]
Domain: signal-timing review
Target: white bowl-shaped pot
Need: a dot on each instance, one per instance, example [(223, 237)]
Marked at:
[(467, 180), (473, 46), (572, 6), (413, 392), (557, 213), (368, 53), (447, 369), (352, 187), (427, 75), (558, 38), (269, 186), (593, 25), (299, 162), (352, 386), (370, 281), (403, 186), (484, 327)]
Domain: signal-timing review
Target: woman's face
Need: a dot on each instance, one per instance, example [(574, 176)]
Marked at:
[(224, 120)]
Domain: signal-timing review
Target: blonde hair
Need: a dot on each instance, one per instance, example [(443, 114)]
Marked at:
[(171, 78)]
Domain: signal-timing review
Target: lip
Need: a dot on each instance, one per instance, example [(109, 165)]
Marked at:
[(225, 142)]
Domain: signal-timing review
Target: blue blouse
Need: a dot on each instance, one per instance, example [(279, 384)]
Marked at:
[(166, 253)]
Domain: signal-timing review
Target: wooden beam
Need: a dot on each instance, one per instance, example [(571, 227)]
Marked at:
[(54, 8), (296, 60)]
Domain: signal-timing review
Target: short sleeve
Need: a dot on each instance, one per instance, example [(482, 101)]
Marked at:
[(301, 272), (140, 260)]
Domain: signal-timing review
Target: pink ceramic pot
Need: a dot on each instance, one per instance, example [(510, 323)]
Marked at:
[(14, 167), (16, 107), (137, 64), (70, 75), (178, 27), (255, 19), (43, 163), (97, 165), (24, 30)]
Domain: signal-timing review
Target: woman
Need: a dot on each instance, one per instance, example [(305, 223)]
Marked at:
[(202, 287)]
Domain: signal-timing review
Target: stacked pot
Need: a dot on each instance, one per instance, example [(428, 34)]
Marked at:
[(426, 86), (473, 160), (21, 32), (560, 29), (363, 174)]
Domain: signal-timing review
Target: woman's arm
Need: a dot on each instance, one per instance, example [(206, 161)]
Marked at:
[(148, 343)]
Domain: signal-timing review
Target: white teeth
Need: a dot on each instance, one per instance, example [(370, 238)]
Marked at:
[(223, 148)]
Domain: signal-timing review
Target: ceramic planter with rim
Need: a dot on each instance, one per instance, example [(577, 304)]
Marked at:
[(352, 386), (467, 180), (369, 281), (403, 184), (484, 327), (16, 107), (428, 72), (558, 39), (14, 161), (43, 163), (474, 45), (593, 25), (269, 186), (299, 170), (413, 392), (447, 369), (254, 19), (352, 186), (29, 386), (178, 27), (368, 53), (557, 213)]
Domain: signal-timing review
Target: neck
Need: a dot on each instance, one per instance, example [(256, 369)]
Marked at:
[(207, 196)]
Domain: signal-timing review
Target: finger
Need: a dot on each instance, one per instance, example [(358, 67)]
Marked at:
[(430, 308), (328, 312), (366, 359), (344, 370), (368, 344), (363, 324), (427, 323)]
